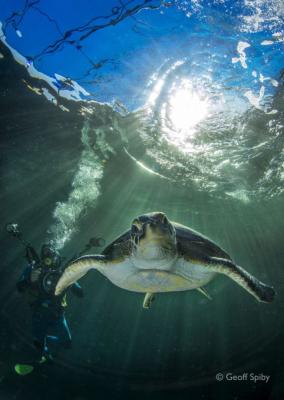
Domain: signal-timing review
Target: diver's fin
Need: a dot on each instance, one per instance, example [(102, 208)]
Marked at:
[(148, 299), (251, 284), (23, 369), (77, 269), (204, 292)]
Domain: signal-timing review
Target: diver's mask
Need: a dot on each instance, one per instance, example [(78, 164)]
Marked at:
[(47, 262), (49, 257)]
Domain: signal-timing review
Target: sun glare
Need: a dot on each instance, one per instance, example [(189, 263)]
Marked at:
[(187, 109)]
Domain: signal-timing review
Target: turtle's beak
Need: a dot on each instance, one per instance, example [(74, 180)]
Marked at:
[(153, 231), (150, 231)]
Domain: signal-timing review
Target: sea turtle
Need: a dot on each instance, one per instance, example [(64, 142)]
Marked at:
[(157, 255)]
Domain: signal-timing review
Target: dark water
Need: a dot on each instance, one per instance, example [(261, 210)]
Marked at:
[(68, 177)]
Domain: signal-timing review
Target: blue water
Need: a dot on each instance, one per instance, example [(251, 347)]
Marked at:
[(135, 48)]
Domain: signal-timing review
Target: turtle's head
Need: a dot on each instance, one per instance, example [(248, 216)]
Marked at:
[(153, 237)]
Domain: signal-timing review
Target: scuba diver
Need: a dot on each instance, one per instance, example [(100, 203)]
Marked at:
[(49, 326)]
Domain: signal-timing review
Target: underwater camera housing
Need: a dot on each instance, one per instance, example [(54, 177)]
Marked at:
[(51, 271), (49, 280), (49, 260)]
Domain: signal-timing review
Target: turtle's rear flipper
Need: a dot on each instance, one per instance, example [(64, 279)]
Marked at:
[(256, 288), (77, 269), (148, 299)]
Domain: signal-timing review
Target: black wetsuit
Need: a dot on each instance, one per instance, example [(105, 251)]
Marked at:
[(49, 326)]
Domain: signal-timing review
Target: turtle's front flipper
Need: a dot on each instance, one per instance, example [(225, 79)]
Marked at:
[(148, 299), (258, 289), (77, 269)]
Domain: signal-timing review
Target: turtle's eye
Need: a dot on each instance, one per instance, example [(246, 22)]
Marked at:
[(136, 226), (164, 220)]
